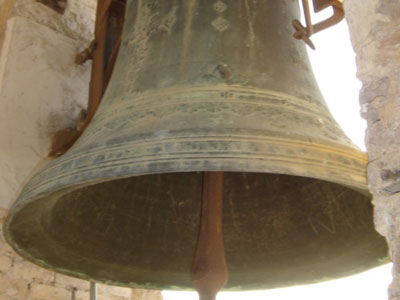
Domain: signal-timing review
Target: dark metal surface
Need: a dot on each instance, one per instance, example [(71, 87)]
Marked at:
[(204, 86)]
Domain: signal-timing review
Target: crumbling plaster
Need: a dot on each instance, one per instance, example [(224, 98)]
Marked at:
[(77, 22)]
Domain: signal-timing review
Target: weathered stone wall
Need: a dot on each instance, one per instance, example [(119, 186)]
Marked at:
[(375, 32)]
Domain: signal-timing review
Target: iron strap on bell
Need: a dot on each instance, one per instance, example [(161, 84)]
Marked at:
[(204, 86)]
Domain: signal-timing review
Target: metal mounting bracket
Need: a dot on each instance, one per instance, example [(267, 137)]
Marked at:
[(304, 33)]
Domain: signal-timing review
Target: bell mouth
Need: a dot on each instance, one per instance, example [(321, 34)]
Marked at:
[(279, 230)]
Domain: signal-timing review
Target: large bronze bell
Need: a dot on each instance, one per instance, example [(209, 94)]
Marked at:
[(204, 86)]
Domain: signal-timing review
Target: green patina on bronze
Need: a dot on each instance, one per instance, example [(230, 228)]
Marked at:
[(204, 86)]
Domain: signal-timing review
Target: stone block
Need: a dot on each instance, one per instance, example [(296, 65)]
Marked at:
[(79, 18), (45, 292), (390, 9), (380, 141), (124, 293), (82, 295), (31, 273), (68, 282), (373, 88), (13, 288), (5, 249), (110, 297), (389, 114), (5, 263), (142, 294)]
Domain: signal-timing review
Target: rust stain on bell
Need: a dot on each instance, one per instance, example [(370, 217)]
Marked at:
[(204, 86)]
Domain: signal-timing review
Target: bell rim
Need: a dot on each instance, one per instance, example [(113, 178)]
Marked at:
[(80, 275)]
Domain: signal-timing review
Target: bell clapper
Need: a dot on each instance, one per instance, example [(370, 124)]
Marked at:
[(209, 271)]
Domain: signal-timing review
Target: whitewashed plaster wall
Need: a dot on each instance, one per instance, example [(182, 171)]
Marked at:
[(41, 91)]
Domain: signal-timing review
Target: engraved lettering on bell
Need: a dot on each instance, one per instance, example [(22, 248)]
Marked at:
[(220, 24), (220, 7)]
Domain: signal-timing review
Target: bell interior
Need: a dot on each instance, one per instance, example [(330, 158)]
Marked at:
[(279, 230)]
